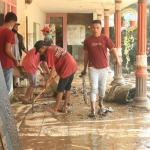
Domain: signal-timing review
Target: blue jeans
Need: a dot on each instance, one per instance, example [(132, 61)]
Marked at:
[(8, 77), (97, 78)]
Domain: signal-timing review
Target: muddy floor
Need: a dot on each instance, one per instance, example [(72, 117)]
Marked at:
[(126, 128)]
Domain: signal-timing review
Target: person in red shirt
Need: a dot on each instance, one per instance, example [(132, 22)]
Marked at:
[(95, 57), (31, 64), (7, 59), (59, 60)]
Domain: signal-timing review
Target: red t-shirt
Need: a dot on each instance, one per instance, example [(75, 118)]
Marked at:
[(6, 36), (31, 61), (65, 64), (97, 50)]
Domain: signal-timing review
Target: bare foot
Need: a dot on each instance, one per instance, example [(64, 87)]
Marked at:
[(64, 110), (51, 110)]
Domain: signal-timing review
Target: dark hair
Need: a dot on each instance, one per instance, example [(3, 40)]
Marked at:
[(97, 21), (41, 43), (47, 43), (10, 16)]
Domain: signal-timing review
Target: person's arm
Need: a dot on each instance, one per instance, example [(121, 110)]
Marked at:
[(10, 54), (45, 66), (22, 44), (41, 70), (25, 51), (51, 74), (114, 53), (86, 60)]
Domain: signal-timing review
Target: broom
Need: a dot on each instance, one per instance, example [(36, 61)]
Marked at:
[(43, 89)]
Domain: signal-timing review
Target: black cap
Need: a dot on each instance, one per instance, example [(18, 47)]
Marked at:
[(38, 45)]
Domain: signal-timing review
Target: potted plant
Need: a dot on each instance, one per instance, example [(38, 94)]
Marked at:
[(123, 23), (132, 22)]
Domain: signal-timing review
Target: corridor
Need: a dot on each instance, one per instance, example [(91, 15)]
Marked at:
[(126, 128)]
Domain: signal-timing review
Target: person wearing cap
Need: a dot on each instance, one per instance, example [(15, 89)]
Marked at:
[(59, 60), (31, 62), (46, 33), (47, 38), (19, 40), (7, 59), (17, 48)]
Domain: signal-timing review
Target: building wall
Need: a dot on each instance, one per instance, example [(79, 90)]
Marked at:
[(21, 17), (31, 11), (34, 14), (80, 19)]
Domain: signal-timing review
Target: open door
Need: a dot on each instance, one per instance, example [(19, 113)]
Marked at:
[(36, 32)]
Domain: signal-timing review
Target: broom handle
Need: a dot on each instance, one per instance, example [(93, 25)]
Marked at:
[(44, 89)]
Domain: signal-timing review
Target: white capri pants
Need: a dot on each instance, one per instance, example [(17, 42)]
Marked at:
[(97, 78)]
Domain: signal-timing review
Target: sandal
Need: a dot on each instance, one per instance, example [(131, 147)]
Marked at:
[(92, 114), (26, 102)]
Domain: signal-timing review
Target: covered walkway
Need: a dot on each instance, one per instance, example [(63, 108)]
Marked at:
[(126, 128)]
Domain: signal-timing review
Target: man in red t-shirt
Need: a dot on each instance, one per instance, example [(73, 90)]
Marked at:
[(59, 60), (31, 63), (95, 56), (7, 59)]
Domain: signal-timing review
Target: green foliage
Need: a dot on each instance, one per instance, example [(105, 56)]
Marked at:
[(129, 46), (128, 43), (129, 49), (129, 53), (148, 24)]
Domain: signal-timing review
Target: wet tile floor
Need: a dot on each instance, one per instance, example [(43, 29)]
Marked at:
[(126, 128)]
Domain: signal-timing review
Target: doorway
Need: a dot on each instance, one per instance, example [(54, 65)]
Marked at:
[(61, 21), (58, 22), (36, 32)]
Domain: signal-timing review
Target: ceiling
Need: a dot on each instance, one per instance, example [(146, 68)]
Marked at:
[(79, 6)]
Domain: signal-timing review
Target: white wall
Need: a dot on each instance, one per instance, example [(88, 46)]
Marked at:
[(35, 14), (21, 17)]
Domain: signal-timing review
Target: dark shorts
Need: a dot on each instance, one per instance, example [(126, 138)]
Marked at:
[(65, 83)]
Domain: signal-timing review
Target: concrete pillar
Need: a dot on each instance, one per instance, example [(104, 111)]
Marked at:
[(106, 28), (141, 99), (118, 78), (106, 22)]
